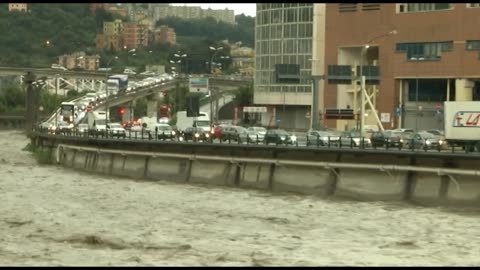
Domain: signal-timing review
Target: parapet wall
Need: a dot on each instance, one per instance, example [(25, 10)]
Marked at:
[(366, 177)]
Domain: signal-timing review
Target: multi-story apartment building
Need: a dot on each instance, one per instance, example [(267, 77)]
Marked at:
[(130, 35), (110, 42), (17, 7), (243, 58), (414, 56), (283, 52), (225, 15), (79, 60), (94, 6), (112, 28), (159, 11), (165, 34)]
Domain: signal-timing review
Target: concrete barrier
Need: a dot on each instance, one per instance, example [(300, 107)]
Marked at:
[(254, 176), (427, 187), (134, 167), (422, 179), (210, 172), (118, 162), (369, 185), (80, 159), (306, 180), (104, 163), (372, 184), (66, 156), (169, 169)]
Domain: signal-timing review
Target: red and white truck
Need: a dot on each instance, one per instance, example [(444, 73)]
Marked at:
[(462, 124)]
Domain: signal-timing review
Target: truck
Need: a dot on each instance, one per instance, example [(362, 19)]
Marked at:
[(96, 122), (201, 121), (462, 124), (117, 83)]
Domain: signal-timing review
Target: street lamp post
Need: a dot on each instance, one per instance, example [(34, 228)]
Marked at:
[(179, 55), (363, 93), (107, 94), (216, 50)]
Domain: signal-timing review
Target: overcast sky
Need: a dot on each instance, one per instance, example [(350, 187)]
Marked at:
[(247, 9)]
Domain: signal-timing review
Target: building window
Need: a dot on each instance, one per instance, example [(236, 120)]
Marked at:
[(422, 7), (287, 73), (347, 7), (370, 6), (473, 45), (473, 5), (425, 50), (339, 74)]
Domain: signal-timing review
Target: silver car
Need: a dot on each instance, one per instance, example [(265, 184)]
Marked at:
[(256, 134), (322, 138)]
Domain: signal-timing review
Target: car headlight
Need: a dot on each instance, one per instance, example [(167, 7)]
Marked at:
[(207, 135), (282, 138), (428, 142), (54, 127), (173, 132), (294, 138), (181, 138), (197, 135), (70, 126), (440, 142), (401, 140)]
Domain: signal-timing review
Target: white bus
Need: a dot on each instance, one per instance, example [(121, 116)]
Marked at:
[(201, 121), (67, 112)]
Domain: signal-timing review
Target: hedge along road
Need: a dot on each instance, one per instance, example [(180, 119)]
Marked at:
[(50, 215)]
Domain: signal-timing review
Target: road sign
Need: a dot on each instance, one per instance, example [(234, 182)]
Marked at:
[(398, 111), (199, 85), (385, 117)]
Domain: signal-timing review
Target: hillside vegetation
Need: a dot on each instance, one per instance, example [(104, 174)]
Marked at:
[(71, 27)]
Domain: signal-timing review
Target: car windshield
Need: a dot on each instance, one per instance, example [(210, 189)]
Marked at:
[(115, 126), (427, 135), (260, 129), (282, 132), (164, 127), (202, 123)]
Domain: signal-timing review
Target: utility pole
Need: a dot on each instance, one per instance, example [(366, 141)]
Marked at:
[(314, 114), (30, 102)]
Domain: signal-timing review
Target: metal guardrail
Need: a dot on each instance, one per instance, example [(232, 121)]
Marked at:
[(181, 138)]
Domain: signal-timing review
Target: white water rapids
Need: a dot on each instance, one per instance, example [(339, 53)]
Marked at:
[(50, 215)]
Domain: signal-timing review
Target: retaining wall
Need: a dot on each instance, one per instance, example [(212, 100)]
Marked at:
[(323, 176)]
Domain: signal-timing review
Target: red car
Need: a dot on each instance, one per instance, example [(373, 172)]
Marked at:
[(216, 132)]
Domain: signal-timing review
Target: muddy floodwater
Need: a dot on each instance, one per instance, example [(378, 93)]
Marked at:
[(50, 215)]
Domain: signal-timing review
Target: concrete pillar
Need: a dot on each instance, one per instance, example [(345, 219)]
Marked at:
[(152, 106), (463, 90), (128, 115)]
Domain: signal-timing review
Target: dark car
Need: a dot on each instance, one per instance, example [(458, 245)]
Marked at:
[(234, 133), (424, 140), (278, 136), (195, 134), (386, 138)]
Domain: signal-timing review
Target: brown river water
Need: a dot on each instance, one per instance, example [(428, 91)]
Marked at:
[(50, 216)]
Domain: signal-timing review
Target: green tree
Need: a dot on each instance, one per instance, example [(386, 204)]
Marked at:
[(243, 96)]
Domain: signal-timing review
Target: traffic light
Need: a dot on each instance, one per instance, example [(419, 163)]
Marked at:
[(121, 111)]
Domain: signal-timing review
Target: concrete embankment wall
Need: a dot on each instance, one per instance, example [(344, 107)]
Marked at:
[(359, 176)]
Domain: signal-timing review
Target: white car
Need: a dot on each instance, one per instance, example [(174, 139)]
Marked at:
[(57, 66), (129, 71), (148, 73)]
